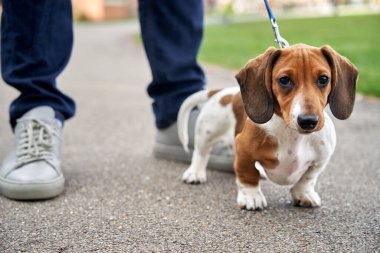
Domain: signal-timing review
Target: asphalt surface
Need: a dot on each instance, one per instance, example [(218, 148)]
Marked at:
[(119, 198)]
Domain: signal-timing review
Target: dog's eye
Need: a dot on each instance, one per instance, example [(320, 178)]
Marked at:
[(323, 81), (285, 82)]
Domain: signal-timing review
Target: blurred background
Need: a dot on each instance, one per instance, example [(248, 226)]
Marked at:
[(98, 10), (237, 30)]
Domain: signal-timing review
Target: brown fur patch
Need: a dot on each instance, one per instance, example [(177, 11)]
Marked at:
[(240, 115), (255, 84), (344, 78), (213, 92), (225, 100), (253, 144)]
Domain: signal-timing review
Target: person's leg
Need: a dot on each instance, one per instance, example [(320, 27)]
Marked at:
[(36, 43), (172, 32)]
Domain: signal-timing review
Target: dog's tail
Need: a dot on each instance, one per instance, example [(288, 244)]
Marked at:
[(184, 115)]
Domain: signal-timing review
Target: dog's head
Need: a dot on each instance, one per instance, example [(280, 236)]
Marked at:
[(296, 83)]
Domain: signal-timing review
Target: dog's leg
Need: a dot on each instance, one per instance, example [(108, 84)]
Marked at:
[(207, 134), (214, 124), (249, 195), (196, 173), (303, 192)]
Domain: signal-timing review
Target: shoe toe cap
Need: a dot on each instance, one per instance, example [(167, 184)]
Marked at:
[(39, 171)]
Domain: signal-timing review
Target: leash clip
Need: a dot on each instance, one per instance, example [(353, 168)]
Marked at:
[(282, 43)]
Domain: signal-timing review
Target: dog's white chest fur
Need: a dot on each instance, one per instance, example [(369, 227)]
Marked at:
[(297, 152)]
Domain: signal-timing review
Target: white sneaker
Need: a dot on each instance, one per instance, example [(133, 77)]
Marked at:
[(32, 169)]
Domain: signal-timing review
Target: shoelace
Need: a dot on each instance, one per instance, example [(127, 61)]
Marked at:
[(35, 142)]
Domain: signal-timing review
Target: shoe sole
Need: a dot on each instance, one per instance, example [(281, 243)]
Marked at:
[(221, 163), (32, 191)]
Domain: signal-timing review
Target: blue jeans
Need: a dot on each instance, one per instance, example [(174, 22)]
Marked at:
[(36, 43)]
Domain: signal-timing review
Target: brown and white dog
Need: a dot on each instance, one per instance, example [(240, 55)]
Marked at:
[(278, 119)]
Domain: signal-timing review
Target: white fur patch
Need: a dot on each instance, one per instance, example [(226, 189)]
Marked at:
[(196, 173), (305, 196), (261, 170), (297, 152), (295, 111), (250, 198), (194, 176)]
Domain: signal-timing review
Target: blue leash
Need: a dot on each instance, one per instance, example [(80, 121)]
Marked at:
[(282, 43)]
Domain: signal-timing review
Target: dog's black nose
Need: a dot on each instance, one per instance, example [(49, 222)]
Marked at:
[(307, 122)]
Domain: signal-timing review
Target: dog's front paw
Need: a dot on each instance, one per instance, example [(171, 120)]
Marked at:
[(305, 197), (191, 176), (251, 198)]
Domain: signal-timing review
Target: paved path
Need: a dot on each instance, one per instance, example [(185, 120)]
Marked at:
[(118, 198)]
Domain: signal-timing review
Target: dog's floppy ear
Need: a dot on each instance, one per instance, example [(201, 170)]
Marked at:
[(344, 76), (255, 86)]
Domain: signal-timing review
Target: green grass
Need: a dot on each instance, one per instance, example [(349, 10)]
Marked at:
[(356, 37)]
